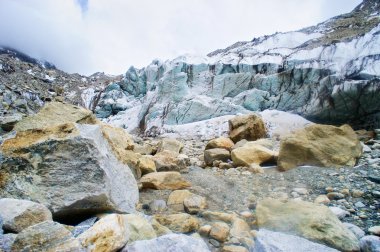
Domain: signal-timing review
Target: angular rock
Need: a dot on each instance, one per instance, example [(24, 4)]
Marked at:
[(218, 154), (220, 143), (69, 168), (143, 149), (164, 180), (83, 226), (110, 233), (169, 242), (320, 145), (250, 127), (168, 161), (194, 204), (176, 199), (370, 243), (146, 165), (139, 228), (311, 221), (252, 153), (268, 241), (122, 146), (170, 144), (20, 214), (46, 236), (219, 231), (56, 113), (179, 223)]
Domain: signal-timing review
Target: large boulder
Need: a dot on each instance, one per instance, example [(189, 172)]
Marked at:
[(320, 145), (20, 214), (164, 180), (110, 233), (252, 153), (268, 241), (69, 168), (250, 127), (56, 113), (311, 221), (46, 236), (169, 242)]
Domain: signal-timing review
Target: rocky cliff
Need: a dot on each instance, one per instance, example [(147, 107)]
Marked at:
[(328, 73)]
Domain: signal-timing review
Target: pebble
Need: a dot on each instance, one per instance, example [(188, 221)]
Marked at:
[(359, 204), (335, 195), (301, 191), (214, 243), (374, 230), (376, 194), (357, 193)]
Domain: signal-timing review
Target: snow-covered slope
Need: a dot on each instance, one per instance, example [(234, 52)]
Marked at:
[(327, 73)]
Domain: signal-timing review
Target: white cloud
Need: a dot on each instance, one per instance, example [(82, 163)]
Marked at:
[(114, 34)]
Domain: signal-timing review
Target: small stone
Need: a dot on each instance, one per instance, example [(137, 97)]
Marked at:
[(345, 192), (176, 198), (225, 166), (255, 168), (357, 193), (181, 222), (339, 212), (204, 230), (157, 206), (376, 194), (374, 230), (219, 154), (221, 142), (322, 199), (214, 243), (329, 189), (335, 196), (220, 231), (359, 204)]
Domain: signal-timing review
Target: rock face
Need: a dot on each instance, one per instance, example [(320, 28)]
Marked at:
[(320, 145), (268, 241), (307, 71), (252, 153), (311, 221), (69, 168), (46, 236), (169, 242), (20, 214), (250, 127), (110, 233), (164, 180)]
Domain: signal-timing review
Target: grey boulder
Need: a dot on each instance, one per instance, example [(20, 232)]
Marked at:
[(370, 243)]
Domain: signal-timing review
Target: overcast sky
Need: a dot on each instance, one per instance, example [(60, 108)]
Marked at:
[(87, 36)]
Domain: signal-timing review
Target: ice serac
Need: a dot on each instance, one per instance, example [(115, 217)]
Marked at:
[(69, 168), (328, 73)]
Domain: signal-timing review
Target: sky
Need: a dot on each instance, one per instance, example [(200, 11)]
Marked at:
[(88, 36)]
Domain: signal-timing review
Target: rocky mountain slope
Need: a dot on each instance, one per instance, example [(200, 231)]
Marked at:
[(328, 73)]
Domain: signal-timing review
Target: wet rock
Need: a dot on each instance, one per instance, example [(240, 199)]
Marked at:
[(179, 223), (46, 236), (311, 221), (20, 214), (110, 233), (250, 127), (169, 242), (268, 241), (218, 154), (220, 143), (69, 168), (320, 145), (164, 180), (370, 243), (219, 231), (170, 144), (252, 153)]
